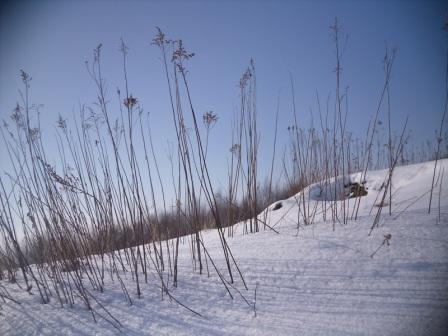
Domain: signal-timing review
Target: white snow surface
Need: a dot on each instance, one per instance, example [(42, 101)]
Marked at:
[(309, 280)]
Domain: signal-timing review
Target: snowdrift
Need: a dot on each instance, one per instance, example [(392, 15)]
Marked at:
[(302, 279)]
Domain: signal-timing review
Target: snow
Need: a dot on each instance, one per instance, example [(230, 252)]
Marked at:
[(308, 280)]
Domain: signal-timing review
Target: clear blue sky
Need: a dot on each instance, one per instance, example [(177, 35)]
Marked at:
[(52, 39)]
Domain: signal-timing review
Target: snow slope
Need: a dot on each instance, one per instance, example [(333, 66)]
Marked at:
[(309, 280)]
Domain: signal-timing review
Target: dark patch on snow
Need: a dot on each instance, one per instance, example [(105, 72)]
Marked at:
[(277, 206), (356, 190)]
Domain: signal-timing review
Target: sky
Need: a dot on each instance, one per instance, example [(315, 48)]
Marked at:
[(51, 40)]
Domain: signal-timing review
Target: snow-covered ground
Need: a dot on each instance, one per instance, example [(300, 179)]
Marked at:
[(309, 280)]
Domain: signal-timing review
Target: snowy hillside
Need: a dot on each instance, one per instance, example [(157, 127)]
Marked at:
[(302, 280)]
